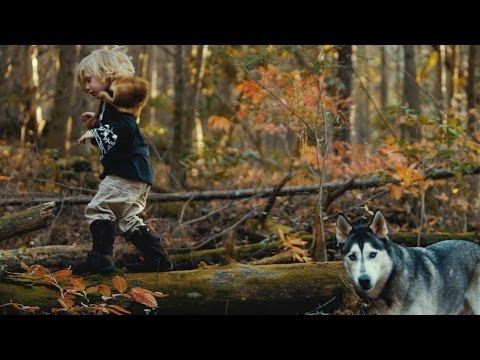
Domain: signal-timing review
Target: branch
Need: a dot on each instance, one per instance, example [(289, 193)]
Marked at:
[(373, 182), (25, 221)]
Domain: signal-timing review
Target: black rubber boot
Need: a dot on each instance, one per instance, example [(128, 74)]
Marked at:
[(156, 257), (100, 259)]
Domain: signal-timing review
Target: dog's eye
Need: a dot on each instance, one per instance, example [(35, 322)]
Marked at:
[(352, 257), (372, 254)]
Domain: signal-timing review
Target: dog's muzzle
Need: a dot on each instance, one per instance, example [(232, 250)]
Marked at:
[(364, 282)]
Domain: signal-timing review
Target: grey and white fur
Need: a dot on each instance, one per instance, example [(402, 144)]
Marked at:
[(442, 279)]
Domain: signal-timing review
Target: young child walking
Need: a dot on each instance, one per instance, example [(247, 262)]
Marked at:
[(108, 74)]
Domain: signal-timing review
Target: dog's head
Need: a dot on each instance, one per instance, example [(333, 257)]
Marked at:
[(364, 253)]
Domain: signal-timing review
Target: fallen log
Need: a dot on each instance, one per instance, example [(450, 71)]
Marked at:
[(257, 192), (25, 221), (55, 256), (410, 239), (230, 290)]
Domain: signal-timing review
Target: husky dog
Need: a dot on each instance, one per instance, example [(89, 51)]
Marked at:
[(443, 278)]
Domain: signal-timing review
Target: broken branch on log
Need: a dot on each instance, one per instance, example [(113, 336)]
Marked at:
[(25, 221)]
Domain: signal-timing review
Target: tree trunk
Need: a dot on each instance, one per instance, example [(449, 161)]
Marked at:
[(178, 174), (59, 128), (362, 121), (31, 219), (471, 91), (411, 93), (231, 290), (30, 93), (344, 73), (439, 90), (384, 82), (81, 103)]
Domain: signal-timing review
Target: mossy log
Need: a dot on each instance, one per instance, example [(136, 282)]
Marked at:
[(233, 289), (34, 218), (56, 256), (410, 239)]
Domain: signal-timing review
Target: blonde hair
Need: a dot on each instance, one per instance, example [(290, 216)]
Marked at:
[(105, 64)]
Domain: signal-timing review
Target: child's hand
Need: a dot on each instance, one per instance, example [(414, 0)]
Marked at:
[(88, 135), (86, 116)]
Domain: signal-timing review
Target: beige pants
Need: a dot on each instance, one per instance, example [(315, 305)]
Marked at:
[(120, 200)]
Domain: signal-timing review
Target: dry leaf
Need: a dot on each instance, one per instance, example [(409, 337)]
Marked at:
[(61, 274), (396, 192), (104, 290), (118, 308), (144, 297), (78, 283), (65, 302), (91, 289), (119, 283), (159, 294)]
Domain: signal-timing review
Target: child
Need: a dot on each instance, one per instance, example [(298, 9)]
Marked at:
[(108, 74)]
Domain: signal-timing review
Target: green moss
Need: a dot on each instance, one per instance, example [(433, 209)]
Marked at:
[(233, 289), (40, 296)]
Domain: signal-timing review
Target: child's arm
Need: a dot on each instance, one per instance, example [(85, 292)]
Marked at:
[(87, 135), (89, 119)]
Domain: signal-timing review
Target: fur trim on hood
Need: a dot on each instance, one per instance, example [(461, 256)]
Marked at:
[(130, 94)]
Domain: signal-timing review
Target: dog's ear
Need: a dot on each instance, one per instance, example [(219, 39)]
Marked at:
[(343, 229), (378, 225)]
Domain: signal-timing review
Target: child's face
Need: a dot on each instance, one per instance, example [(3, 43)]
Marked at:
[(93, 85)]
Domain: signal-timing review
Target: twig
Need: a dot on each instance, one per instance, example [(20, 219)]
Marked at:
[(250, 214), (381, 193), (51, 182), (273, 196), (218, 210), (183, 210), (53, 222)]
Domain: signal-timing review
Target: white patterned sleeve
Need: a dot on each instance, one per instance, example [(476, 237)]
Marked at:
[(105, 138)]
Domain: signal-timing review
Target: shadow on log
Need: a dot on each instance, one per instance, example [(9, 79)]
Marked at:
[(230, 290)]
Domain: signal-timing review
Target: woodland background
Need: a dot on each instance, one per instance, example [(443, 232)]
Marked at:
[(232, 117)]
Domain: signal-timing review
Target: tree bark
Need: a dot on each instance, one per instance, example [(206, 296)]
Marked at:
[(231, 290), (31, 219)]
